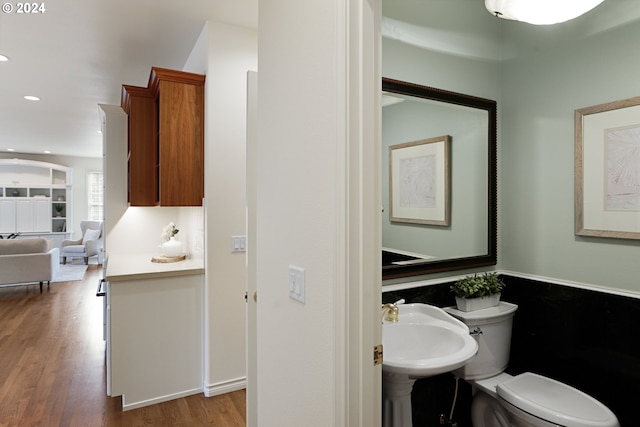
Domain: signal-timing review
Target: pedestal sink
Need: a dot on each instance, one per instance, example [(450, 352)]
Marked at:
[(425, 341)]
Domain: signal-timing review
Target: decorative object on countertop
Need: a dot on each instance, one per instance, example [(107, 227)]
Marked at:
[(167, 259), (478, 292), (169, 231), (171, 248)]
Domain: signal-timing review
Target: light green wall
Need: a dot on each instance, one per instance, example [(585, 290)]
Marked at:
[(558, 70), (436, 69), (472, 76), (545, 74)]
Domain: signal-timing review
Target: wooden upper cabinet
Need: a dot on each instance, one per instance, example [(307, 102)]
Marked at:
[(166, 144), (140, 104)]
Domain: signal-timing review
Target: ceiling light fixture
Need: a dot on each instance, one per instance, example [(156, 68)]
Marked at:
[(31, 98), (3, 58), (540, 12)]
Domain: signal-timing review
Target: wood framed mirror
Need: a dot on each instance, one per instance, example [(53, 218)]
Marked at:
[(414, 113)]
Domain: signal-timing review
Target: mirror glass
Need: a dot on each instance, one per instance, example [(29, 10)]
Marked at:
[(415, 115)]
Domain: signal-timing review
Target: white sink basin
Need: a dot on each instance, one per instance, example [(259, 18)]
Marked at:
[(425, 341)]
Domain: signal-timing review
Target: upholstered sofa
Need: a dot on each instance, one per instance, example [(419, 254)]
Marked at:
[(29, 260)]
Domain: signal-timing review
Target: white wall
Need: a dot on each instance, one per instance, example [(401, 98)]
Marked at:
[(138, 229), (318, 200), (227, 53), (550, 72), (296, 221)]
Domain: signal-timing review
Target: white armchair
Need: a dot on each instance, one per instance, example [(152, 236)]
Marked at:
[(89, 245)]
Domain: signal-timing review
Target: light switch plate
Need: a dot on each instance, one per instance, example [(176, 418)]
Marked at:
[(296, 283), (238, 243)]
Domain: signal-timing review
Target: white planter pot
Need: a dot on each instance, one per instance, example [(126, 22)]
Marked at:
[(473, 304), (172, 248)]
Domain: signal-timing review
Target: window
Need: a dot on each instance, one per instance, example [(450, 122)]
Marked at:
[(95, 196)]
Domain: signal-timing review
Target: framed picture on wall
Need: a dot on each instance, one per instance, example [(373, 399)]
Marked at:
[(419, 181), (607, 170)]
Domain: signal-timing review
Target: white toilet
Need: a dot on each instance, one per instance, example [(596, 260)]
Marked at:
[(526, 400)]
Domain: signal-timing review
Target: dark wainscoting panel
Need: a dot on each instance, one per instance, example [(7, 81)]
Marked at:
[(584, 338)]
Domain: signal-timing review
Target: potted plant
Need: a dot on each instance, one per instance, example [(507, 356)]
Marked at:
[(59, 208), (478, 292), (171, 247)]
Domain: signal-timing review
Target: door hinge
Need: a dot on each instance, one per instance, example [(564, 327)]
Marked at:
[(255, 296), (377, 355)]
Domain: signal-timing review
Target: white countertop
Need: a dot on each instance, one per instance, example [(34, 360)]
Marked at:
[(122, 267)]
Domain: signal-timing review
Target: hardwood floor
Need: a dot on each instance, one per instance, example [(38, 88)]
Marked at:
[(52, 366)]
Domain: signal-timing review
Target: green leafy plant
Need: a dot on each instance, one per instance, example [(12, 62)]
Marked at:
[(478, 286), (58, 207), (169, 231)]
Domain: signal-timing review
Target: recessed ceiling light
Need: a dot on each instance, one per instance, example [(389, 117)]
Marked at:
[(10, 149), (31, 98), (47, 152), (3, 58)]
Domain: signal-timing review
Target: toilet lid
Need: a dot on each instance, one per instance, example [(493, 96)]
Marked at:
[(555, 402)]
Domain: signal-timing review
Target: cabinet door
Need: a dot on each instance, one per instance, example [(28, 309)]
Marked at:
[(181, 144), (7, 216), (140, 104), (42, 215), (166, 139), (33, 215), (25, 215)]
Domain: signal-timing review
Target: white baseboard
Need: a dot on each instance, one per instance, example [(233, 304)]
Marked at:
[(209, 391), (225, 387), (159, 399)]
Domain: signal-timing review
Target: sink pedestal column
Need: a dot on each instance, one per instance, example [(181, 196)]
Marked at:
[(396, 400)]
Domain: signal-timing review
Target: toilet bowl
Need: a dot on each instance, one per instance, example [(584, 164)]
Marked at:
[(525, 400)]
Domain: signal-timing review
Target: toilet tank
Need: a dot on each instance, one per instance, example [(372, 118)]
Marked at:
[(494, 339)]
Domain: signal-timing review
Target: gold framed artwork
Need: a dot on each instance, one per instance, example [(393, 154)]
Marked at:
[(607, 170), (419, 181)]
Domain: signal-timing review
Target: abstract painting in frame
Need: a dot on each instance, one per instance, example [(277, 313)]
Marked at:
[(607, 170), (419, 181)]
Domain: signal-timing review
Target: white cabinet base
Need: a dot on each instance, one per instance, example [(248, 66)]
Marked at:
[(154, 339)]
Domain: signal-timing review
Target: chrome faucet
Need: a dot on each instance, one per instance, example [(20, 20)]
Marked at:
[(391, 308)]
